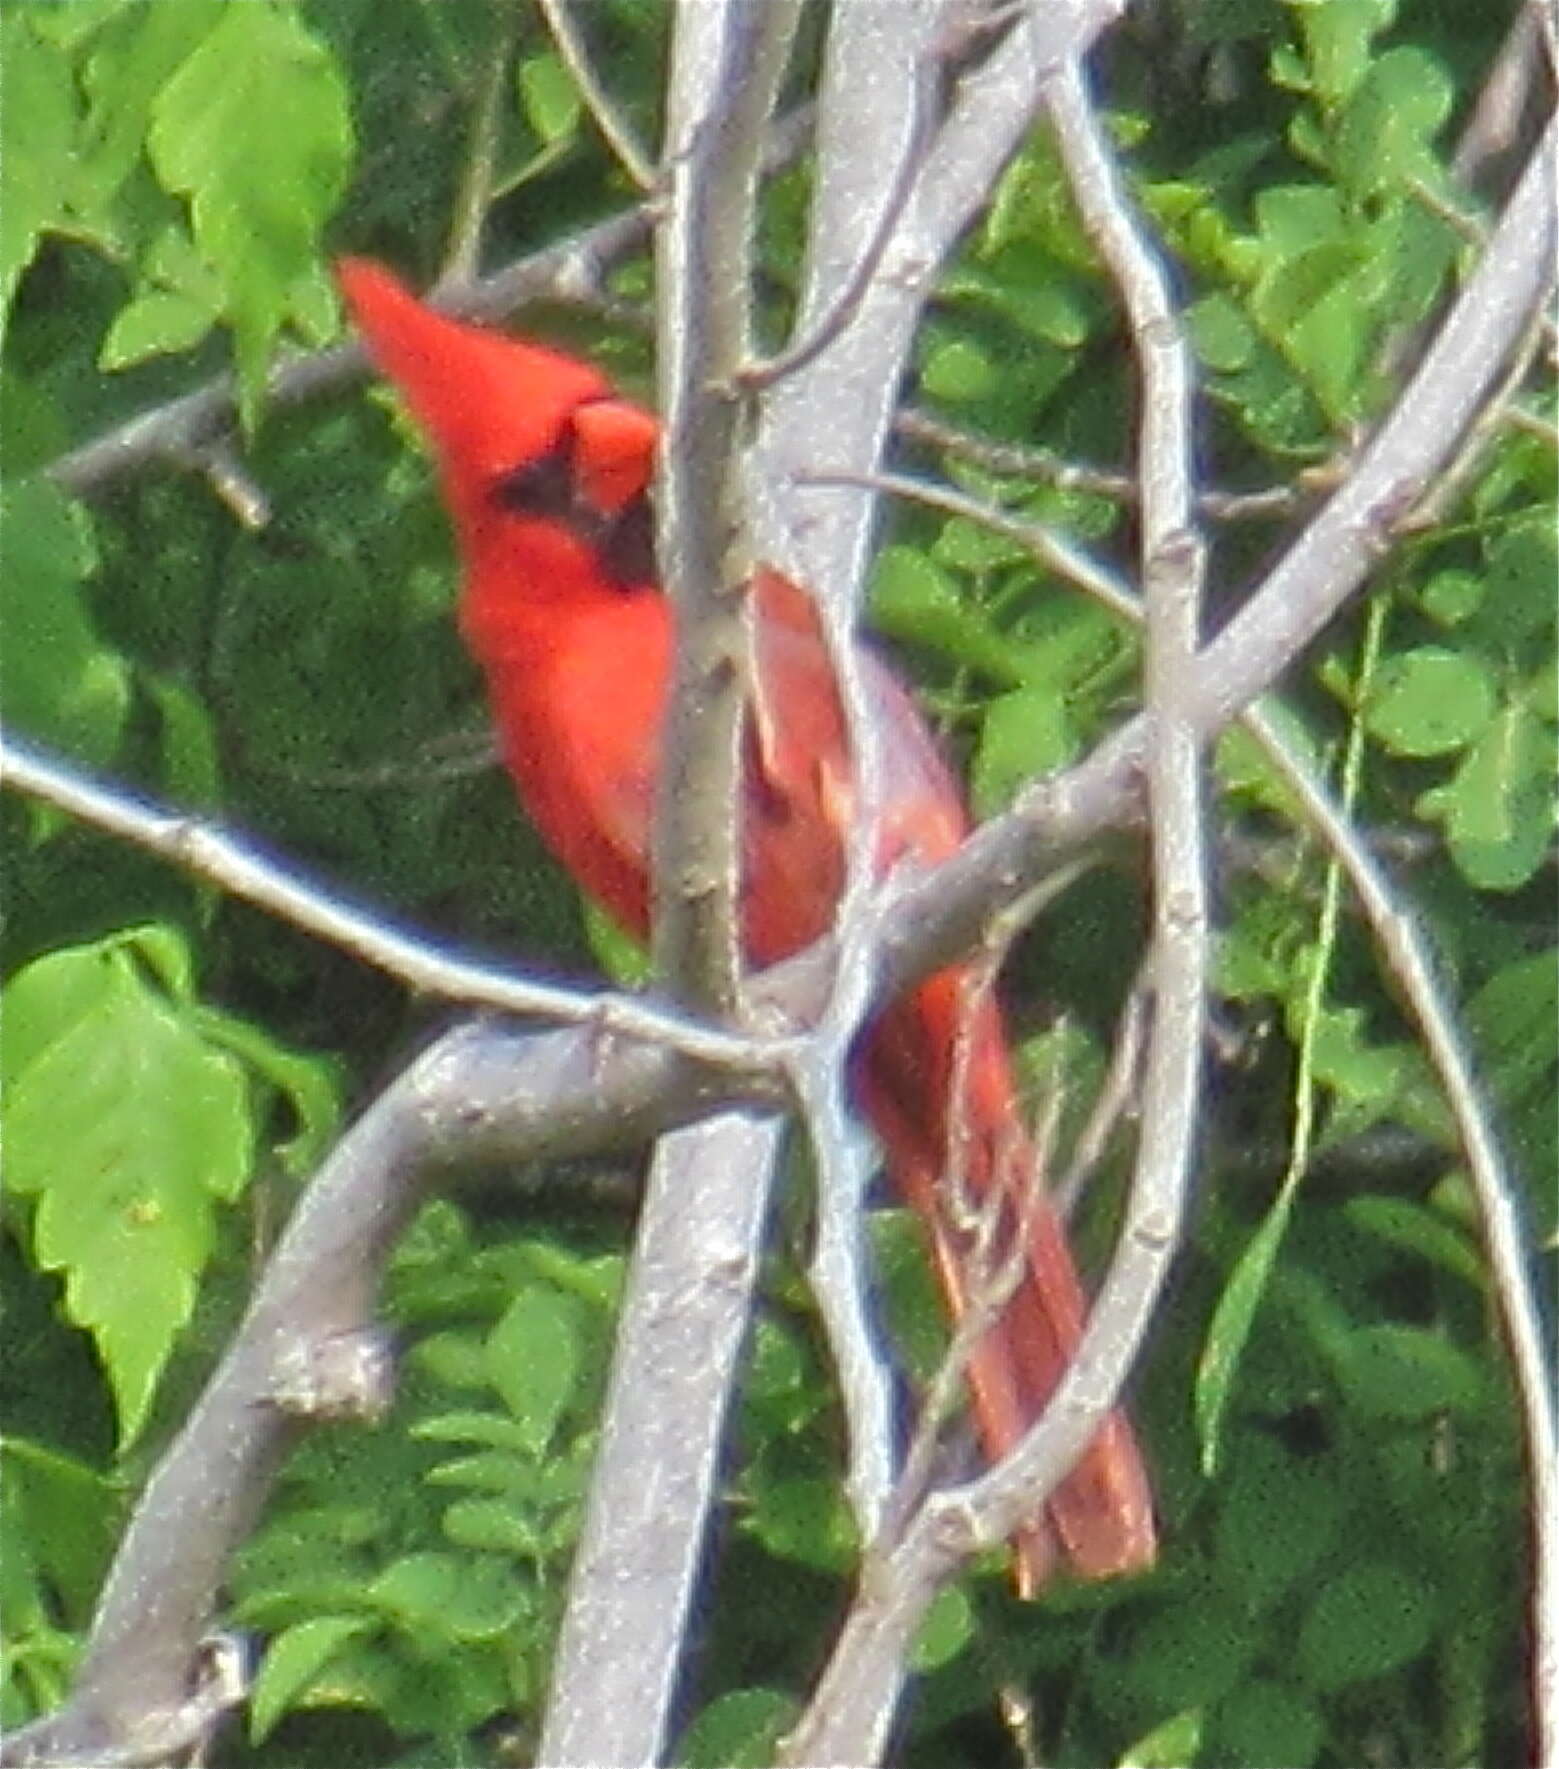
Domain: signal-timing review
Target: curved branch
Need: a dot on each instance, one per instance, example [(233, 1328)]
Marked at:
[(244, 872), (481, 1095), (615, 129)]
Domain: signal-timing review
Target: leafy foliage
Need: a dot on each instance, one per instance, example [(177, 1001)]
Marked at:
[(1325, 1403)]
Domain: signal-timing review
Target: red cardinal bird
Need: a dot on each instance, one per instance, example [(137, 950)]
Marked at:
[(546, 473)]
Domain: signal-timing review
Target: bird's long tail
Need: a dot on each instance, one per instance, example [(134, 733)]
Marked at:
[(937, 1086)]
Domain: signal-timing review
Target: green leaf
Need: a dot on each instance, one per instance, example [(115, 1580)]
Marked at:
[(1409, 1373), (549, 98), (1365, 1074), (914, 600), (67, 1513), (739, 1730), (1229, 1330), (38, 126), (161, 322), (1029, 288), (255, 130), (958, 371), (1313, 307), (945, 1630), (1221, 332), (1499, 809), (1022, 737), (1190, 1654), (1384, 133), (1372, 1618), (1521, 566), (780, 1390), (910, 1297), (1295, 219), (493, 1526), (1424, 1233), (1337, 36), (972, 547), (58, 681), (448, 1595), (1170, 1745), (1452, 596), (1278, 1516), (495, 1429), (802, 1517), (127, 64), (190, 761), (1244, 765), (1033, 205), (1265, 1721), (1511, 1021), (126, 1128), (533, 1357), (293, 1660), (309, 1086), (624, 959), (457, 1358), (1430, 701)]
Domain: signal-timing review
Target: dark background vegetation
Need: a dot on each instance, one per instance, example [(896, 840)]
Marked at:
[(1342, 1495)]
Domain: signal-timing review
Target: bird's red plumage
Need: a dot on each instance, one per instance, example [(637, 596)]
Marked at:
[(544, 472)]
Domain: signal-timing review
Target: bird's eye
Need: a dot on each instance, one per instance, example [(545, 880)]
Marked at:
[(542, 487), (547, 489)]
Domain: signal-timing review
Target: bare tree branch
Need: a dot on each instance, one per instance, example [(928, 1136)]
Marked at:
[(1045, 467), (481, 1096), (873, 111), (169, 434), (1407, 955), (535, 1103), (695, 1260), (727, 59), (572, 270), (1314, 578), (474, 196), (615, 129), (242, 871), (684, 1318)]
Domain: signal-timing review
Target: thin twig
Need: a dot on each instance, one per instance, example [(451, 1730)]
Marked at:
[(809, 342), (1173, 571), (1411, 965), (838, 1271), (1048, 547), (474, 196), (1045, 467), (233, 484), (615, 129), (728, 57), (1495, 411), (690, 1289), (1117, 1098), (244, 872), (484, 1095), (570, 270)]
